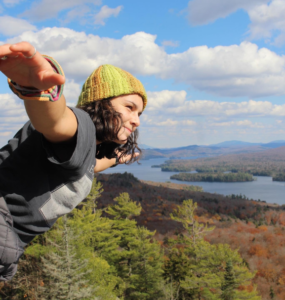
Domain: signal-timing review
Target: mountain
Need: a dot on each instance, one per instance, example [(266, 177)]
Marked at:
[(228, 147), (144, 146), (235, 144)]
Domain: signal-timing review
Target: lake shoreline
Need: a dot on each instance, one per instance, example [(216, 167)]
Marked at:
[(263, 188)]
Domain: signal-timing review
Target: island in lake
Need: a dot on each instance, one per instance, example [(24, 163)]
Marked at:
[(214, 177), (264, 163)]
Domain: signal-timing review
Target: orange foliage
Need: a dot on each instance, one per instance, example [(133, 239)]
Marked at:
[(268, 272), (263, 228), (253, 230), (281, 218), (258, 250)]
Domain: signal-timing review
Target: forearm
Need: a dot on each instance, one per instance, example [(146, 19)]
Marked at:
[(103, 164), (53, 119)]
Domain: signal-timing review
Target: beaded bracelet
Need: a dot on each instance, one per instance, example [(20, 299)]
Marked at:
[(29, 93)]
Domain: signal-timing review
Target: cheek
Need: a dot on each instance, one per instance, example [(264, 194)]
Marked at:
[(125, 117)]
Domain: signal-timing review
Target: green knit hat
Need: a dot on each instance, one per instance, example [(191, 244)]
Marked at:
[(109, 81)]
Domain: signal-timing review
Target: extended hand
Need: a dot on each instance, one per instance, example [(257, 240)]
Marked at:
[(35, 72), (127, 158)]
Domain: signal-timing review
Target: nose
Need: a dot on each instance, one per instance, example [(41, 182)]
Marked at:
[(136, 120)]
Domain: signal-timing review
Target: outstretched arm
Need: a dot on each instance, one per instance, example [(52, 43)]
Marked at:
[(105, 163), (53, 119)]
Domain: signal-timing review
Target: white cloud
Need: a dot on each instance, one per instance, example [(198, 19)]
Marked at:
[(267, 16), (170, 44), (189, 122), (175, 103), (11, 3), (204, 11), (10, 26), (71, 92), (165, 99), (243, 123), (233, 71), (10, 105), (12, 116), (105, 13), (47, 9), (229, 109), (77, 13), (266, 19)]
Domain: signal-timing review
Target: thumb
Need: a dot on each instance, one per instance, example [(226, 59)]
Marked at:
[(50, 79)]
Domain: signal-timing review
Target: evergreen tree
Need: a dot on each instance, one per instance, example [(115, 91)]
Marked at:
[(271, 293), (125, 207), (198, 268), (64, 275), (139, 262), (186, 215), (229, 284)]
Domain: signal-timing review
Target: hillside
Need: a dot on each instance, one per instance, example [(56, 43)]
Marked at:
[(257, 229)]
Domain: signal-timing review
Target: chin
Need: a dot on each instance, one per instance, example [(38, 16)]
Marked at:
[(121, 142)]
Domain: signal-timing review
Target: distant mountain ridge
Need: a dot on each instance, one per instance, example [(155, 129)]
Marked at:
[(228, 147), (273, 144)]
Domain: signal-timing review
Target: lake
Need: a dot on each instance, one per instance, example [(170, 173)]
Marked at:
[(262, 188)]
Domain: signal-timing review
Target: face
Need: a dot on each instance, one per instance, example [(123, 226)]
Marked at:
[(130, 107)]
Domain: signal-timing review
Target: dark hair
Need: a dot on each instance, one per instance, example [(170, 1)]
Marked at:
[(108, 123)]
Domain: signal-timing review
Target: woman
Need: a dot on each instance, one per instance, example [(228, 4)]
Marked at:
[(48, 167)]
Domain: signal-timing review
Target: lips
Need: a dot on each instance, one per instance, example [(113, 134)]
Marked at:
[(129, 129)]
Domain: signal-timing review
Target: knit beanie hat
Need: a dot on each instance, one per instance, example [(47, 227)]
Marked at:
[(109, 81)]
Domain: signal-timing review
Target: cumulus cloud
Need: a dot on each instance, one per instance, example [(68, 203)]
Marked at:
[(175, 103), (237, 70), (229, 109), (47, 9), (10, 26), (266, 16), (165, 99), (12, 116), (267, 19), (71, 92), (105, 13), (76, 13), (10, 105), (202, 12), (243, 123), (170, 44), (11, 3)]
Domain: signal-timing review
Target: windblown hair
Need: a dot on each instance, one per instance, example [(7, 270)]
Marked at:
[(108, 123)]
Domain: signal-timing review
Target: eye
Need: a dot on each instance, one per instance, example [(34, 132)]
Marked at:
[(130, 107)]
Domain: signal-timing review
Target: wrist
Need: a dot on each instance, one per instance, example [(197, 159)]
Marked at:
[(52, 94), (117, 161)]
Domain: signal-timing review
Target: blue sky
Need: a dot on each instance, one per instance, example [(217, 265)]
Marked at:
[(213, 70)]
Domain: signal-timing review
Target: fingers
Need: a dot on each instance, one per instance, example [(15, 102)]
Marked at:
[(5, 51), (25, 48), (128, 157), (49, 79)]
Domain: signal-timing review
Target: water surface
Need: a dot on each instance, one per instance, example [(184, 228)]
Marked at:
[(262, 188)]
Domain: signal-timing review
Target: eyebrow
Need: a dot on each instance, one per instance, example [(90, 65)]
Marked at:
[(134, 105)]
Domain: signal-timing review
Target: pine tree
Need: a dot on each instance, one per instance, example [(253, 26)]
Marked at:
[(229, 284), (186, 215), (125, 207), (139, 262), (271, 293), (146, 267), (64, 276), (206, 275)]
